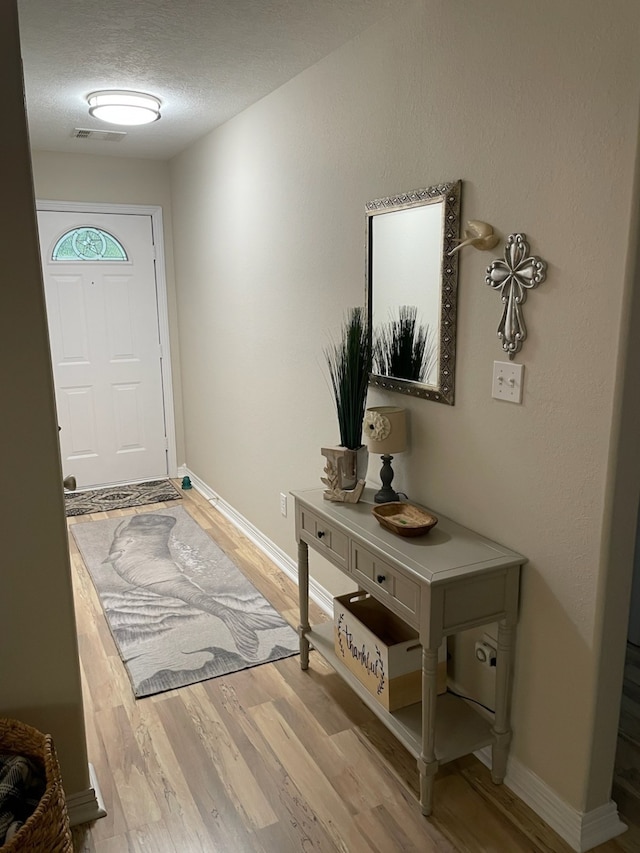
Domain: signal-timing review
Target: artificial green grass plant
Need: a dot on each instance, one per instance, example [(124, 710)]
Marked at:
[(404, 348), (349, 362)]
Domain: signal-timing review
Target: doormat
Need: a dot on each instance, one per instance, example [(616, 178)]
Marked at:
[(120, 497), (179, 609)]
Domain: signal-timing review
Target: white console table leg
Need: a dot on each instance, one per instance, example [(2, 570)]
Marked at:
[(502, 727), (303, 593), (427, 763)]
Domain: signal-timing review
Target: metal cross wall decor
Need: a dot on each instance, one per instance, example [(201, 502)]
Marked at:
[(515, 275)]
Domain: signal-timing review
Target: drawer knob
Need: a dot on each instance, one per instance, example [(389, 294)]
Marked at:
[(320, 534), (381, 578)]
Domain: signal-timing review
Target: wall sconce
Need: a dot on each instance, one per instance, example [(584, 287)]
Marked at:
[(479, 235), (385, 431), (120, 107)]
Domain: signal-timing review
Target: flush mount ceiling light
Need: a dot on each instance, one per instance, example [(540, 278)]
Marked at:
[(120, 107)]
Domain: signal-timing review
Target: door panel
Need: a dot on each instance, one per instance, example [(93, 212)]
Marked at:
[(76, 408), (103, 326), (129, 417)]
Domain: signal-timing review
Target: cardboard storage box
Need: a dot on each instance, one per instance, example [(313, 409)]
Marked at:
[(382, 651)]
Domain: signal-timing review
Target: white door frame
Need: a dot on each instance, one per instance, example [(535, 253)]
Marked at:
[(155, 212)]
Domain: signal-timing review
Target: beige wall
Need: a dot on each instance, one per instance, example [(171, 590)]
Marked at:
[(622, 509), (117, 180), (39, 669), (535, 108)]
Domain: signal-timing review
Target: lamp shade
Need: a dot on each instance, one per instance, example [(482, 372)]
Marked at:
[(385, 429)]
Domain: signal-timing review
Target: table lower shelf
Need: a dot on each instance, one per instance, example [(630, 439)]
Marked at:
[(459, 728)]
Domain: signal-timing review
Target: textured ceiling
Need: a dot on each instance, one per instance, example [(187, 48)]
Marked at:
[(207, 60)]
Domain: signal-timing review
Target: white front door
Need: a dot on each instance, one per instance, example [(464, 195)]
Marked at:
[(100, 289)]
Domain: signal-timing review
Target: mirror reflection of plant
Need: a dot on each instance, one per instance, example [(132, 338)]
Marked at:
[(349, 362), (404, 348)]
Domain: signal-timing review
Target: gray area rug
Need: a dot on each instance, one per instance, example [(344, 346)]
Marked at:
[(178, 607), (120, 497)]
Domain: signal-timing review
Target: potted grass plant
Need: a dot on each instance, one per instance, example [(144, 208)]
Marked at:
[(404, 348), (349, 361)]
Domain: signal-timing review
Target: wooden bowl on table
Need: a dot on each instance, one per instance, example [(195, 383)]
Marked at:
[(405, 519)]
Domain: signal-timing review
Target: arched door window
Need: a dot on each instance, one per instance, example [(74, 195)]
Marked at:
[(88, 244)]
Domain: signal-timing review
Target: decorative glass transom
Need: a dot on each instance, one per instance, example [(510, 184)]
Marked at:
[(88, 244)]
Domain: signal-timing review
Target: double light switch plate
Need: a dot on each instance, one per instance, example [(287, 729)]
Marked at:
[(507, 381)]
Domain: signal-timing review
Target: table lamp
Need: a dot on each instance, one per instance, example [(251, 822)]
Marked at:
[(385, 431)]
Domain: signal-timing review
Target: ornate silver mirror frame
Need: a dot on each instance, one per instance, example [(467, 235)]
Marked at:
[(409, 239)]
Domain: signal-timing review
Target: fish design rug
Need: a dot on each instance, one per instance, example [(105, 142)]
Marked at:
[(179, 609), (120, 497)]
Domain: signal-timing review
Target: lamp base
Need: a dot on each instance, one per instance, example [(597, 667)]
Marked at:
[(385, 496), (386, 493)]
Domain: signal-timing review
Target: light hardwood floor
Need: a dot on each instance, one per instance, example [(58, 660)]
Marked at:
[(271, 759), (626, 779)]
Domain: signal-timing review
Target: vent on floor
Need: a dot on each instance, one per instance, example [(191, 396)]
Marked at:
[(98, 135)]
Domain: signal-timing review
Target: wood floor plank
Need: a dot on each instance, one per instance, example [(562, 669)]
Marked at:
[(511, 807), (271, 759), (249, 686), (298, 820), (353, 779), (311, 687), (396, 758), (163, 767), (114, 844), (83, 840), (626, 779), (228, 761), (465, 821), (128, 768), (324, 751), (188, 835), (385, 832), (153, 838), (209, 793), (629, 842), (307, 777)]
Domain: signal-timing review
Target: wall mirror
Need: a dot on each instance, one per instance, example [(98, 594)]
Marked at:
[(411, 289)]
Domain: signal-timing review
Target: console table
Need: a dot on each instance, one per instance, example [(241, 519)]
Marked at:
[(442, 583)]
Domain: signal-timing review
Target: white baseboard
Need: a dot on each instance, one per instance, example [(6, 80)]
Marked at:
[(581, 830), (86, 806), (284, 562)]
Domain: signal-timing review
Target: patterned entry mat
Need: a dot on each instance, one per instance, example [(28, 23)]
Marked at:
[(120, 497)]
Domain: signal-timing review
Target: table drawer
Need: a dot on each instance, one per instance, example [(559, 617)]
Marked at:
[(399, 592), (327, 540)]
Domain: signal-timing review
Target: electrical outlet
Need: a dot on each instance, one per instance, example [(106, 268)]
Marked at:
[(486, 653), (283, 504), (507, 381)]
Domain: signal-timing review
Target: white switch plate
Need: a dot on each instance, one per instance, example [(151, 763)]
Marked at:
[(507, 381)]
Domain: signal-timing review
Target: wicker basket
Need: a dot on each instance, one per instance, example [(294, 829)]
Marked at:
[(47, 829)]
